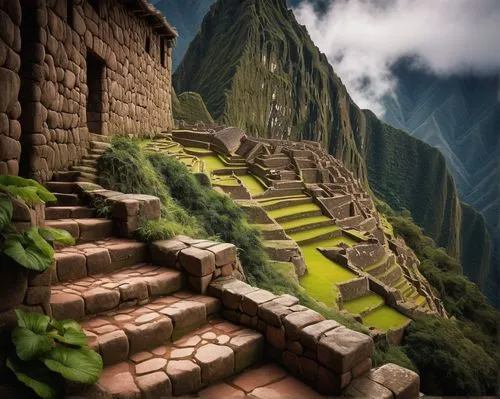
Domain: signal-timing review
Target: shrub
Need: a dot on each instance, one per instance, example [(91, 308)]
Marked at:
[(46, 352)]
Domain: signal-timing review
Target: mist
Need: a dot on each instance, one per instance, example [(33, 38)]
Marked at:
[(363, 39)]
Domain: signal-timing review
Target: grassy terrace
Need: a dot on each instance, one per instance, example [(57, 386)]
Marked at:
[(323, 274)]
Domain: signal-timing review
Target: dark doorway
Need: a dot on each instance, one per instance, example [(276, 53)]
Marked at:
[(95, 83)]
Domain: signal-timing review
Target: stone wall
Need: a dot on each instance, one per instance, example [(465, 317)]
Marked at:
[(10, 108), (101, 69)]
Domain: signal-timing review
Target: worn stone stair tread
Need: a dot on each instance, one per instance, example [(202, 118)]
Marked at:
[(69, 212), (90, 295), (98, 257), (99, 145), (65, 199), (84, 229), (85, 169), (218, 350), (62, 187)]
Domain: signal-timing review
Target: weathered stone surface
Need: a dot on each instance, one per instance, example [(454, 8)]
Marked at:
[(272, 312), (276, 337), (294, 322), (363, 387), (288, 387), (310, 335), (403, 383), (340, 349), (70, 266), (67, 306), (259, 377), (100, 299), (251, 301), (233, 294), (98, 260), (199, 284), (155, 385), (186, 315), (11, 83), (198, 262), (150, 365), (248, 347), (220, 390), (216, 362), (118, 382), (164, 253), (185, 376), (165, 283), (113, 347), (148, 335), (224, 254)]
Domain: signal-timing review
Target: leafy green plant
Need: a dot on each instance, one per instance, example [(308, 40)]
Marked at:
[(30, 248), (46, 352)]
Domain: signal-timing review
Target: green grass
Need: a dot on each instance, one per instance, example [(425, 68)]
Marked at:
[(363, 303), (319, 282), (254, 186), (313, 233), (292, 210), (304, 221), (385, 318), (212, 162)]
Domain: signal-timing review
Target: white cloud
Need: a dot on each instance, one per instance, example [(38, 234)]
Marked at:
[(364, 38)]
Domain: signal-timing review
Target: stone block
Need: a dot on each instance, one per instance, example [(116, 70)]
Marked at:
[(341, 349), (403, 383), (197, 262), (224, 254), (70, 266), (164, 253), (276, 337), (113, 347), (148, 335), (67, 306), (155, 385), (251, 301), (185, 376), (363, 387), (199, 284), (100, 299), (296, 321), (310, 335), (38, 295), (216, 362)]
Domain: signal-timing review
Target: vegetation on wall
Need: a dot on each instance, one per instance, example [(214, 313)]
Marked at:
[(466, 345), (32, 247), (46, 352)]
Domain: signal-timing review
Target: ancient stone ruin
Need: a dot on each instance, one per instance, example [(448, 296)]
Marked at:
[(73, 67), (176, 317)]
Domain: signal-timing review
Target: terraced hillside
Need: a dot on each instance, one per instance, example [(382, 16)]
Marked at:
[(316, 220), (258, 69)]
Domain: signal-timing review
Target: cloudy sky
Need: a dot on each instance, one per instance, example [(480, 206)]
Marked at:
[(364, 38)]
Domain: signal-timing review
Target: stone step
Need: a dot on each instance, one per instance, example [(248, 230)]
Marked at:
[(68, 176), (298, 215), (99, 145), (310, 226), (97, 258), (85, 169), (87, 177), (84, 230), (77, 298), (61, 187), (216, 351), (285, 203), (91, 156), (97, 151), (69, 212), (64, 199), (99, 137), (90, 163), (284, 184)]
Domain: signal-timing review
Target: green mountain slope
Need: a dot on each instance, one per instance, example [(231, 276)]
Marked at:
[(257, 68)]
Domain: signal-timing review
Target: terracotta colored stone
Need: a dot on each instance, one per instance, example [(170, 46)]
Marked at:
[(149, 335), (248, 347), (185, 376), (150, 365), (310, 335), (100, 299), (288, 387), (340, 349), (113, 347), (199, 284), (67, 306), (165, 283), (221, 390), (186, 315), (155, 385), (164, 253), (296, 321), (134, 288), (180, 353), (233, 294), (140, 357), (258, 377), (70, 266), (198, 262), (252, 300), (224, 254), (363, 387), (216, 361), (188, 341), (403, 383), (118, 381), (98, 260)]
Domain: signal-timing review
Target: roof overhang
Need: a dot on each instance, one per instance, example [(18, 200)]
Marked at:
[(144, 9)]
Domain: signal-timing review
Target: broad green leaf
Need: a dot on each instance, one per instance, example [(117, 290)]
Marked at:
[(79, 365), (29, 250), (5, 212), (69, 332), (56, 235), (11, 184), (33, 321), (30, 345), (34, 376)]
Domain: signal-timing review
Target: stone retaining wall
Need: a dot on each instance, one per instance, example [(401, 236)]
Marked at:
[(102, 69), (10, 83)]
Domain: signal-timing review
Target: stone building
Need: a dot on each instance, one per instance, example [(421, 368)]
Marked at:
[(73, 67)]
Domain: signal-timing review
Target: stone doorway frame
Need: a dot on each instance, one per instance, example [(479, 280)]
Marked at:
[(96, 99)]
